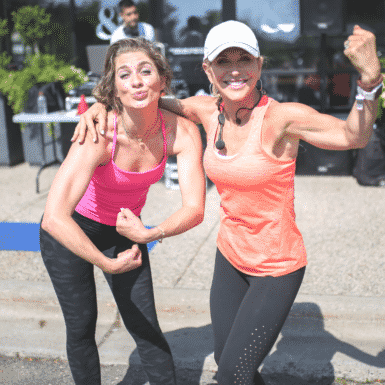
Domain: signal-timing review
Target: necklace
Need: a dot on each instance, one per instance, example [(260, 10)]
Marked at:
[(220, 144), (139, 139)]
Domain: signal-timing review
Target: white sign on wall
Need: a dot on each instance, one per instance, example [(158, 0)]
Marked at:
[(106, 26)]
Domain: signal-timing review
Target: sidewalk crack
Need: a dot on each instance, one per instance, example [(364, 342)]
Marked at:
[(194, 256), (117, 324)]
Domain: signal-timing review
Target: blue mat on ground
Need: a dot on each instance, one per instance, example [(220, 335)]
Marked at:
[(25, 237)]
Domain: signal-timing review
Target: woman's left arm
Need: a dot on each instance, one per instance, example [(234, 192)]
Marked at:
[(187, 147), (328, 132)]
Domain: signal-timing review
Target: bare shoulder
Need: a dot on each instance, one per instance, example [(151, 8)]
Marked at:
[(182, 134), (288, 109), (299, 121), (286, 113), (175, 123)]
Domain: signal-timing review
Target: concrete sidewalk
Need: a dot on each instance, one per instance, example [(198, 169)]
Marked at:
[(336, 327)]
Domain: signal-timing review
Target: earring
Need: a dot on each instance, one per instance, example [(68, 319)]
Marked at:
[(259, 85), (213, 90)]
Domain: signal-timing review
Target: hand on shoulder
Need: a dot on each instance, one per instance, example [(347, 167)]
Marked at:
[(95, 148), (100, 140)]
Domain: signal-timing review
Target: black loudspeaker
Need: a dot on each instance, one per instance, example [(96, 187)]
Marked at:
[(369, 169), (312, 160), (322, 17)]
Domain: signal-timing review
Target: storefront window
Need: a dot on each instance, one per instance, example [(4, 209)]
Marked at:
[(202, 14), (273, 19)]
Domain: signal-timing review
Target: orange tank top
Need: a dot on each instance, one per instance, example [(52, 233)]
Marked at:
[(258, 234)]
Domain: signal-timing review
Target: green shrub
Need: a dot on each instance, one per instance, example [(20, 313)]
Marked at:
[(33, 23), (39, 68), (3, 28), (5, 59)]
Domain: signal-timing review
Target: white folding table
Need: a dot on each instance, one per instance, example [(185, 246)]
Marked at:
[(51, 117)]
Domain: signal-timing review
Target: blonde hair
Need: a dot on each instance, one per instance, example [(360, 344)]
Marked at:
[(105, 91)]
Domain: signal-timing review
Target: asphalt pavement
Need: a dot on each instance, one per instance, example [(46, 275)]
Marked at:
[(336, 328)]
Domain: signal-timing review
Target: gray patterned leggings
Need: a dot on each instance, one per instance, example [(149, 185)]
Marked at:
[(73, 280), (247, 315)]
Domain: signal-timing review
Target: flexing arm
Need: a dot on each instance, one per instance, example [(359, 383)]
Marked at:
[(188, 149), (329, 132), (68, 187), (362, 52)]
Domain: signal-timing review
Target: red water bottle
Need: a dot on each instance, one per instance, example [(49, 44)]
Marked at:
[(82, 106)]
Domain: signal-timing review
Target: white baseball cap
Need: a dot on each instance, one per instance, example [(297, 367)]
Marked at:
[(230, 34)]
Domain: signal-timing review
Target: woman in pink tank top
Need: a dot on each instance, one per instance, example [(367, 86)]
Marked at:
[(252, 145), (92, 215)]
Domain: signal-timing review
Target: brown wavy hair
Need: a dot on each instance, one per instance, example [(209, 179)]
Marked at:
[(105, 91)]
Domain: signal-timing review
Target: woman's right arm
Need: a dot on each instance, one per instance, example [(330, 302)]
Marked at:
[(69, 185), (194, 108)]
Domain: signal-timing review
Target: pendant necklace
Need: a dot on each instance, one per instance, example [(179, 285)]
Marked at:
[(135, 137)]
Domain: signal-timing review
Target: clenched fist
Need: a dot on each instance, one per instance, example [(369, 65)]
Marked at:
[(361, 50), (126, 261), (130, 226)]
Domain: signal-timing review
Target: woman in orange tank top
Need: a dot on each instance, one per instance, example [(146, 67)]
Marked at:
[(250, 156)]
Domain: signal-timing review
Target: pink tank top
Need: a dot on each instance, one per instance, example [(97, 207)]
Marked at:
[(112, 188), (258, 234)]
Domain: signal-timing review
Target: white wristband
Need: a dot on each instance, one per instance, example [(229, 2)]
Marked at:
[(360, 102), (371, 95)]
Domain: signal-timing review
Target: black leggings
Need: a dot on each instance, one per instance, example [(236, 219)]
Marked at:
[(247, 315), (73, 280)]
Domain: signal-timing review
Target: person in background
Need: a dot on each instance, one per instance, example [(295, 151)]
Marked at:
[(192, 35), (92, 215), (252, 145), (131, 26)]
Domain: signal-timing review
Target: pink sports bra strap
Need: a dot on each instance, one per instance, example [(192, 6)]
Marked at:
[(115, 135), (164, 135)]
